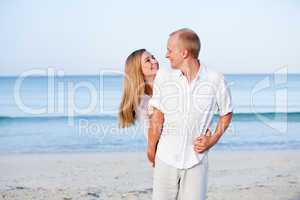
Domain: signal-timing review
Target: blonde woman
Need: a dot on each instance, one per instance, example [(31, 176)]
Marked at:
[(140, 70)]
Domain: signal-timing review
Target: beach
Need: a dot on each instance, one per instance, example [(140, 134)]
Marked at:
[(267, 175), (57, 155)]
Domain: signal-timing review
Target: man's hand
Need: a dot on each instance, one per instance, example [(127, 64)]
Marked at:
[(203, 143)]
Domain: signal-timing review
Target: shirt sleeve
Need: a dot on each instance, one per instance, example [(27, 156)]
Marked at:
[(223, 97), (155, 101)]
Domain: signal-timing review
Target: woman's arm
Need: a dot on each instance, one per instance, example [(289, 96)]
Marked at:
[(155, 128)]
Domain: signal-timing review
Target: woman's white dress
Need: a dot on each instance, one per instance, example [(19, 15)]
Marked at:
[(143, 114)]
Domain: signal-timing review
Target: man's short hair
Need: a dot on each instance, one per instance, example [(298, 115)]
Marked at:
[(189, 40)]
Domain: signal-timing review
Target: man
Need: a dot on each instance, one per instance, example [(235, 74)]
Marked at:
[(184, 102)]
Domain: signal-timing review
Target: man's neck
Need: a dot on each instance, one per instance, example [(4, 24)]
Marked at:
[(190, 69)]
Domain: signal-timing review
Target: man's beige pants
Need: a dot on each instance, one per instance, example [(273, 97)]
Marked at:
[(170, 183)]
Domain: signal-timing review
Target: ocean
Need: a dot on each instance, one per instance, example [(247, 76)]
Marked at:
[(40, 114)]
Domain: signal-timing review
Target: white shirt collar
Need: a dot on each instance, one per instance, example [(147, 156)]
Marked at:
[(199, 74)]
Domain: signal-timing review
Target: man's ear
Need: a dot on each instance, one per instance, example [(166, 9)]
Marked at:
[(185, 53)]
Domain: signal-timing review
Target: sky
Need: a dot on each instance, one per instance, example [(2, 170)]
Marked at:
[(87, 36)]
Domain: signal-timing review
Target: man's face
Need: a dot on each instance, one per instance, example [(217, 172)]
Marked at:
[(174, 53)]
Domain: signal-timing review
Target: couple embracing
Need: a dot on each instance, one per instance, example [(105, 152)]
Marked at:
[(176, 106)]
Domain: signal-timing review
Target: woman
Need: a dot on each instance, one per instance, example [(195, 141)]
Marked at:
[(140, 70)]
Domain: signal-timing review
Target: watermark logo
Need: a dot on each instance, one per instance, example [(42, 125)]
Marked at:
[(277, 83)]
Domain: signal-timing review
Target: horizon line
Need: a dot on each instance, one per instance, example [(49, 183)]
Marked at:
[(112, 74)]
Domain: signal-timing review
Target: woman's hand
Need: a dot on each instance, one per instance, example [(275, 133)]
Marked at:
[(151, 155)]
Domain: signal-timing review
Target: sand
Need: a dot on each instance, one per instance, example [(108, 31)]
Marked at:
[(246, 175)]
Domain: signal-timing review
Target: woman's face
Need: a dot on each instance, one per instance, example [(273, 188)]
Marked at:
[(149, 64)]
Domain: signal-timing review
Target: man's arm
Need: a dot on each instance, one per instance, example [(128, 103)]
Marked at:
[(155, 127), (205, 142)]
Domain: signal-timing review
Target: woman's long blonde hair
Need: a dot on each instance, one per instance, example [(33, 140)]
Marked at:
[(133, 88)]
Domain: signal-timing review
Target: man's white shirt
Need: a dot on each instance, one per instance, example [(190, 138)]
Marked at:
[(188, 110)]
